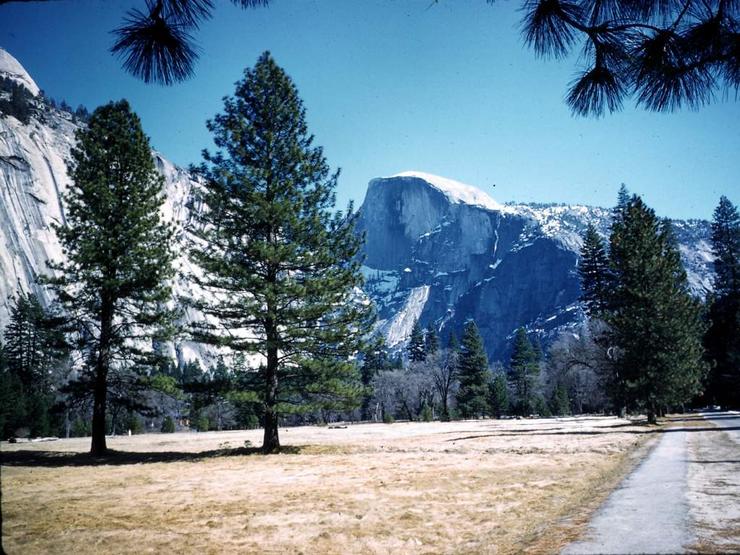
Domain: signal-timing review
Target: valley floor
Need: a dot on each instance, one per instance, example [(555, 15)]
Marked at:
[(474, 486)]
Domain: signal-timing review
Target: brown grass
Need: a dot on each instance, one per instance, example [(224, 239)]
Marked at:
[(473, 487)]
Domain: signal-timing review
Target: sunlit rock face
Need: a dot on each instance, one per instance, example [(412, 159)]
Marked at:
[(436, 249), (33, 181), (444, 252)]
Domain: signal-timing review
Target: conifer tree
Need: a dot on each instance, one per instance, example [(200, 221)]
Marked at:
[(473, 373), (34, 349), (499, 395), (524, 370), (655, 324), (279, 265), (113, 284), (431, 341), (560, 404), (416, 348), (594, 272), (722, 339)]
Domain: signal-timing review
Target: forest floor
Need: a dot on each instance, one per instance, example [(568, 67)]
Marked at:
[(488, 486)]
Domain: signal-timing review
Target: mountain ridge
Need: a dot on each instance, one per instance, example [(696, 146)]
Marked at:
[(436, 249)]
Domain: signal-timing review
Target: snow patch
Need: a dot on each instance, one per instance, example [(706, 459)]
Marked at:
[(398, 328), (455, 191)]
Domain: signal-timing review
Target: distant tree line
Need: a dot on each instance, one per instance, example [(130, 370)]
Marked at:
[(17, 101)]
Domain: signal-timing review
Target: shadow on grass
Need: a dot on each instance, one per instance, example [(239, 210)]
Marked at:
[(56, 459), (714, 462)]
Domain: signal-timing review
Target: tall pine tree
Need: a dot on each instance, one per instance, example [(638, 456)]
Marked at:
[(431, 341), (655, 324), (473, 373), (34, 351), (594, 272), (279, 265), (416, 348), (524, 369), (722, 339), (114, 284)]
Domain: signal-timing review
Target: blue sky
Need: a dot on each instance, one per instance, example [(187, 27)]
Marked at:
[(394, 85)]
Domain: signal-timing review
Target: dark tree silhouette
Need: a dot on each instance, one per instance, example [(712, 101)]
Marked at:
[(156, 43), (666, 54)]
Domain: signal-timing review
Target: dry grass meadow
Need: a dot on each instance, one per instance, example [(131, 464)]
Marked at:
[(472, 487)]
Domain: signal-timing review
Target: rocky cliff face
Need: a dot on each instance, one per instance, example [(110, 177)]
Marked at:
[(436, 250), (444, 252), (33, 181)]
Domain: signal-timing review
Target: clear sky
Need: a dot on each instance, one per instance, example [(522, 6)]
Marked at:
[(394, 85)]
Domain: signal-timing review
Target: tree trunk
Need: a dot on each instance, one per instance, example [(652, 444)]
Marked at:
[(651, 415), (271, 441), (98, 446)]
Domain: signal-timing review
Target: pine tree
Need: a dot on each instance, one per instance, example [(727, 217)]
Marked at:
[(726, 248), (416, 348), (114, 282), (524, 370), (279, 264), (35, 350), (722, 339), (431, 341), (499, 395), (594, 272), (655, 323), (473, 373), (560, 404)]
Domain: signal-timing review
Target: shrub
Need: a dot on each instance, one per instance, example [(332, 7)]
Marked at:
[(388, 418), (426, 414), (168, 425)]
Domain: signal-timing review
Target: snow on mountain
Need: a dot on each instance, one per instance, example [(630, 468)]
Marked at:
[(438, 251), (454, 190), (12, 69)]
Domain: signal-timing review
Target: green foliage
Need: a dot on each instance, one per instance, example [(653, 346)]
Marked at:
[(665, 54), (113, 283), (655, 325), (33, 353), (426, 414), (539, 407), (168, 425), (416, 348), (524, 369), (280, 265), (134, 423), (431, 341), (559, 403), (15, 100), (594, 272), (81, 427), (499, 398), (388, 418), (201, 423), (722, 339), (473, 373)]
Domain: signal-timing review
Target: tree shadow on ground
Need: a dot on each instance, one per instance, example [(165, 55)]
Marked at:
[(714, 462), (57, 459)]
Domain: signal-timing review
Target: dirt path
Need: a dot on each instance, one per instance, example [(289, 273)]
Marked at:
[(685, 496)]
